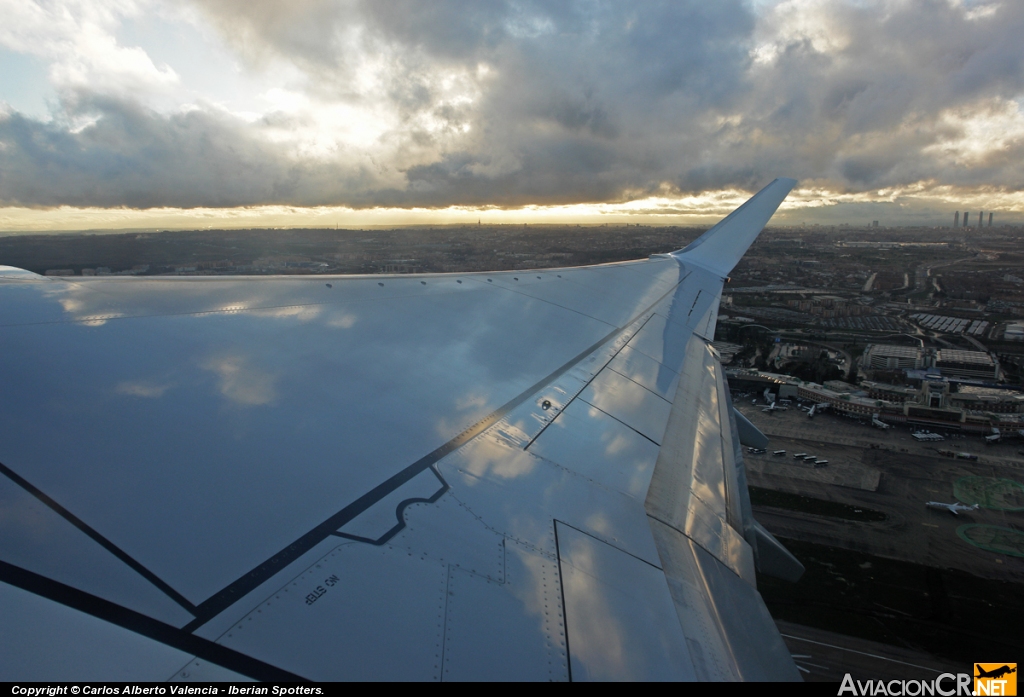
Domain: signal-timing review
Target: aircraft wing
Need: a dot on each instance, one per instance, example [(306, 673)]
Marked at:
[(518, 475)]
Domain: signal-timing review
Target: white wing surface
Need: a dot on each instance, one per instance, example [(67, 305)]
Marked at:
[(524, 475)]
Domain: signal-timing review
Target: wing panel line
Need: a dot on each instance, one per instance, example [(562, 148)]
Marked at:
[(226, 597), (143, 624), (95, 536), (637, 383), (233, 592), (399, 514), (610, 416), (586, 384), (565, 615), (606, 542)]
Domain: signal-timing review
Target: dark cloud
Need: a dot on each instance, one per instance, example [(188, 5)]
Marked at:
[(580, 101), (135, 158)]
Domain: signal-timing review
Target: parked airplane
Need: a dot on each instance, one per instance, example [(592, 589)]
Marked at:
[(816, 409), (774, 407), (877, 423), (954, 508)]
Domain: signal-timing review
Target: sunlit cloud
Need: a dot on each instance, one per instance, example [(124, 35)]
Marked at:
[(79, 41), (812, 22), (973, 135), (360, 114)]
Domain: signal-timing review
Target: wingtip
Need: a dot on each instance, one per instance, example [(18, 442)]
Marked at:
[(788, 182), (720, 248)]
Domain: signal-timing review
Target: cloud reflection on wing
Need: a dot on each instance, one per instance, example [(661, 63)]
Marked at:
[(488, 456), (602, 649), (141, 388), (240, 382), (342, 320), (301, 313)]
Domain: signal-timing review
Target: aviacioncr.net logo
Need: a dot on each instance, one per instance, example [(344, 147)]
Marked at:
[(946, 685), (995, 679)]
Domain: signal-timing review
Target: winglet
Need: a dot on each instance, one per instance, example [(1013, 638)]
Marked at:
[(720, 248)]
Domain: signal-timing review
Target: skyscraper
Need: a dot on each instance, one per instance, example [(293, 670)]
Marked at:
[(956, 219), (990, 219)]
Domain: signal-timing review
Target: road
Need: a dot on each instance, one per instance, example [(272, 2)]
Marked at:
[(922, 274)]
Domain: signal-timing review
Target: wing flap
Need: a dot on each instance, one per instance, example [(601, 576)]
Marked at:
[(730, 633), (693, 488)]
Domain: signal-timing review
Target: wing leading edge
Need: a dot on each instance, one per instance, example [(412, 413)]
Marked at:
[(522, 475)]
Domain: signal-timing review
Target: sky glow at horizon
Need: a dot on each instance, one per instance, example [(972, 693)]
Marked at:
[(139, 114)]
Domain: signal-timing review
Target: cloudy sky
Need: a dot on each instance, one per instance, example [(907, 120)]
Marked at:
[(141, 113)]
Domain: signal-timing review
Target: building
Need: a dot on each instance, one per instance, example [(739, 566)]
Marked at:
[(896, 394), (844, 388), (976, 364), (1014, 332), (987, 400), (786, 386), (935, 404), (953, 362), (891, 357)]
